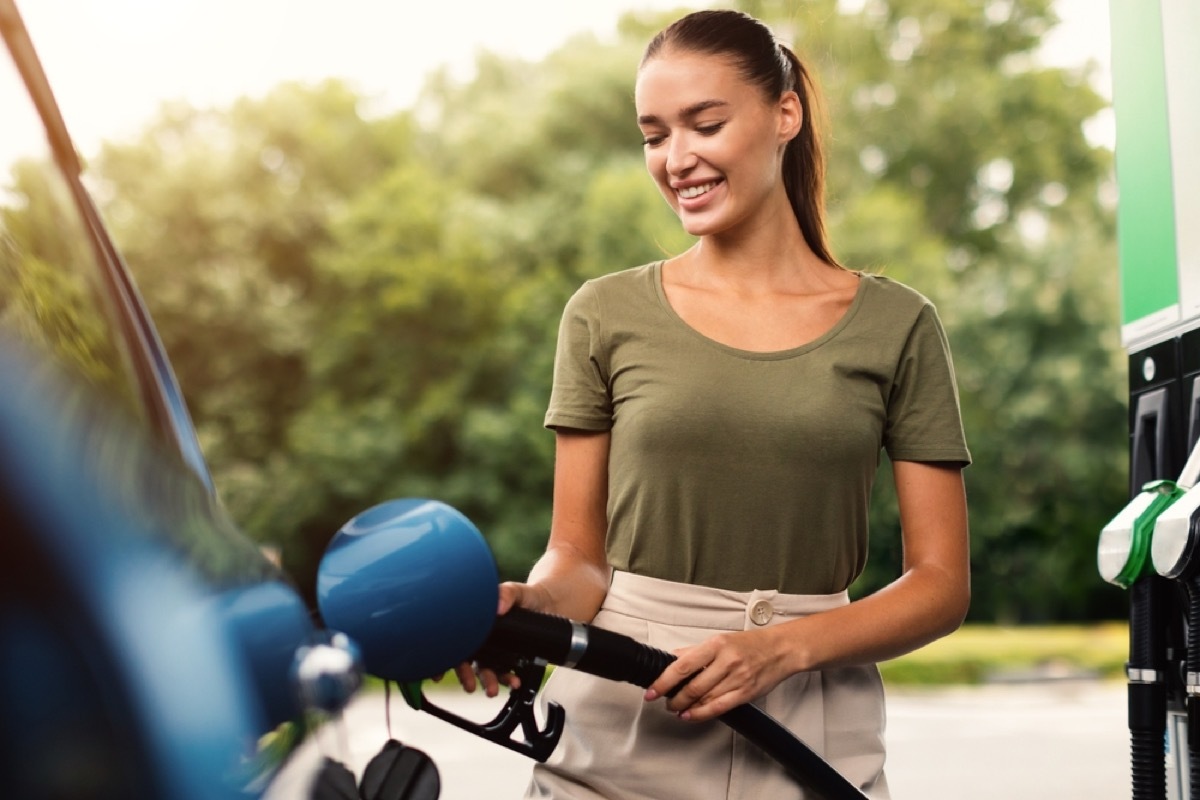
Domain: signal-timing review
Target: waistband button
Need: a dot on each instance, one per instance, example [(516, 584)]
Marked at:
[(761, 612)]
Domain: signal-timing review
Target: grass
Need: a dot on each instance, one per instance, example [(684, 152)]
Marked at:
[(984, 653)]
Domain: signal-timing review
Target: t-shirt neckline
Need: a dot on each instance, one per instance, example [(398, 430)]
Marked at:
[(760, 355)]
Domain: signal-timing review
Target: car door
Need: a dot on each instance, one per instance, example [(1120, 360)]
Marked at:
[(146, 645)]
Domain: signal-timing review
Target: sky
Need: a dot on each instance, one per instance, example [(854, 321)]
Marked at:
[(114, 62)]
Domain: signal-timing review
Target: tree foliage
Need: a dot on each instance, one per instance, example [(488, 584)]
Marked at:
[(364, 307)]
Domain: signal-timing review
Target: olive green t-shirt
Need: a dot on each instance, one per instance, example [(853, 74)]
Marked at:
[(744, 470)]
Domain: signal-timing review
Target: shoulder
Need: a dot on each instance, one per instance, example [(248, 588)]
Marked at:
[(622, 282), (893, 303), (894, 293), (625, 289)]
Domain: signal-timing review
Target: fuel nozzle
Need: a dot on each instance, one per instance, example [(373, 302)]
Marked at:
[(1174, 543), (1124, 552)]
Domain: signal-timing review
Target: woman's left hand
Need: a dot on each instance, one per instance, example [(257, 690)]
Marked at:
[(728, 669)]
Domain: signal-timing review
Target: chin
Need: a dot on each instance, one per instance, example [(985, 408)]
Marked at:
[(703, 227)]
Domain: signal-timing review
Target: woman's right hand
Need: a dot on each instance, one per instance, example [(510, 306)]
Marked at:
[(512, 595), (571, 577)]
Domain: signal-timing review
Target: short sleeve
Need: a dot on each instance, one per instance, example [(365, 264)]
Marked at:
[(580, 396), (924, 422)]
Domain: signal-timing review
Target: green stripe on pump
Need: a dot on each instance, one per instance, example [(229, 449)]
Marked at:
[(1146, 208)]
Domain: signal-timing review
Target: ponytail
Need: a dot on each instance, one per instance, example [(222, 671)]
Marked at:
[(804, 161)]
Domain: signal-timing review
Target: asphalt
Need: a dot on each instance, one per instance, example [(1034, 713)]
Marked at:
[(1057, 740)]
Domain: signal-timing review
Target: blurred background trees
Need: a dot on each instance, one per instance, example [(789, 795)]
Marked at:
[(361, 307)]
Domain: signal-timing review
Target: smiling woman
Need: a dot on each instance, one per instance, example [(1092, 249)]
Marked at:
[(719, 418)]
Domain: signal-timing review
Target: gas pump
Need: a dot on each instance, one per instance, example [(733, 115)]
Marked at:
[(1149, 548), (1175, 555)]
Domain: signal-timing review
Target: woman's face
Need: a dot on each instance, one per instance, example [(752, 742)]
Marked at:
[(713, 143)]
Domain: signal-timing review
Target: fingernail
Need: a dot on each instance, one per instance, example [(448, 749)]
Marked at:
[(651, 695), (685, 715)]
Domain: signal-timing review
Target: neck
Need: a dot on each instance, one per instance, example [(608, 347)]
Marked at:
[(764, 252)]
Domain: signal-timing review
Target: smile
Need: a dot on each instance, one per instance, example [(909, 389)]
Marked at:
[(695, 191)]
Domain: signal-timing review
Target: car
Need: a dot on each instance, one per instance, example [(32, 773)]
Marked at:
[(148, 648)]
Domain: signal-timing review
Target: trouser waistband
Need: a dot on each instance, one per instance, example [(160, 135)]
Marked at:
[(672, 603)]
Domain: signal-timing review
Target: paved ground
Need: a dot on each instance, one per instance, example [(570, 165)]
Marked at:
[(1045, 741), (1057, 741)]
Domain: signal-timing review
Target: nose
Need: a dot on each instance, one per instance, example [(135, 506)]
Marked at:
[(680, 155)]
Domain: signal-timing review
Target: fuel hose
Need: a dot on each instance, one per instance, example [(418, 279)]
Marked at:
[(616, 657)]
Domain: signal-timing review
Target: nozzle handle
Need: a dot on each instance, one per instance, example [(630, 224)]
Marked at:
[(560, 641), (530, 634)]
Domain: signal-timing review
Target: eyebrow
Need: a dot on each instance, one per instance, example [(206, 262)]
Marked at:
[(687, 113)]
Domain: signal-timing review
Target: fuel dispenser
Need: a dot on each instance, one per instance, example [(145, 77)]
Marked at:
[(1150, 547)]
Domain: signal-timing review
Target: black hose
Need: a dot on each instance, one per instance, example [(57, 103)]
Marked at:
[(616, 657), (1190, 676), (1147, 687)]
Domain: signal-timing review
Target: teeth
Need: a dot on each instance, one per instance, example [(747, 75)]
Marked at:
[(696, 191)]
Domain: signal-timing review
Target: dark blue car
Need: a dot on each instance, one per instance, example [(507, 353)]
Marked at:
[(147, 648)]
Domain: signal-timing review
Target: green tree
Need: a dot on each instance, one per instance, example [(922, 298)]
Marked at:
[(219, 213)]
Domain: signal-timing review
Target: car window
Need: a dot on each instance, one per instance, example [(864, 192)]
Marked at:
[(51, 299), (54, 304)]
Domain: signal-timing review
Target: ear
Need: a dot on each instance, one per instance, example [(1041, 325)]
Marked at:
[(791, 116)]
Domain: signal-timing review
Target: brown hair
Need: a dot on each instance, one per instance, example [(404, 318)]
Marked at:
[(775, 69)]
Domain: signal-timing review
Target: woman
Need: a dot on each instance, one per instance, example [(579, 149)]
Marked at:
[(719, 418)]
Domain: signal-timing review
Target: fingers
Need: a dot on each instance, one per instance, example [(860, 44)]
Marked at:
[(689, 678), (491, 683), (711, 678), (466, 677), (705, 686), (510, 595), (472, 676), (703, 700), (671, 677), (532, 597)]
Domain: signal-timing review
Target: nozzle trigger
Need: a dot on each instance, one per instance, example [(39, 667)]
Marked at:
[(538, 743)]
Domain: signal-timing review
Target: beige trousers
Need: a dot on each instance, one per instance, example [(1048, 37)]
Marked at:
[(616, 746)]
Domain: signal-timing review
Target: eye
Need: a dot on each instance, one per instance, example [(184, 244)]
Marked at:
[(710, 129), (653, 139)]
